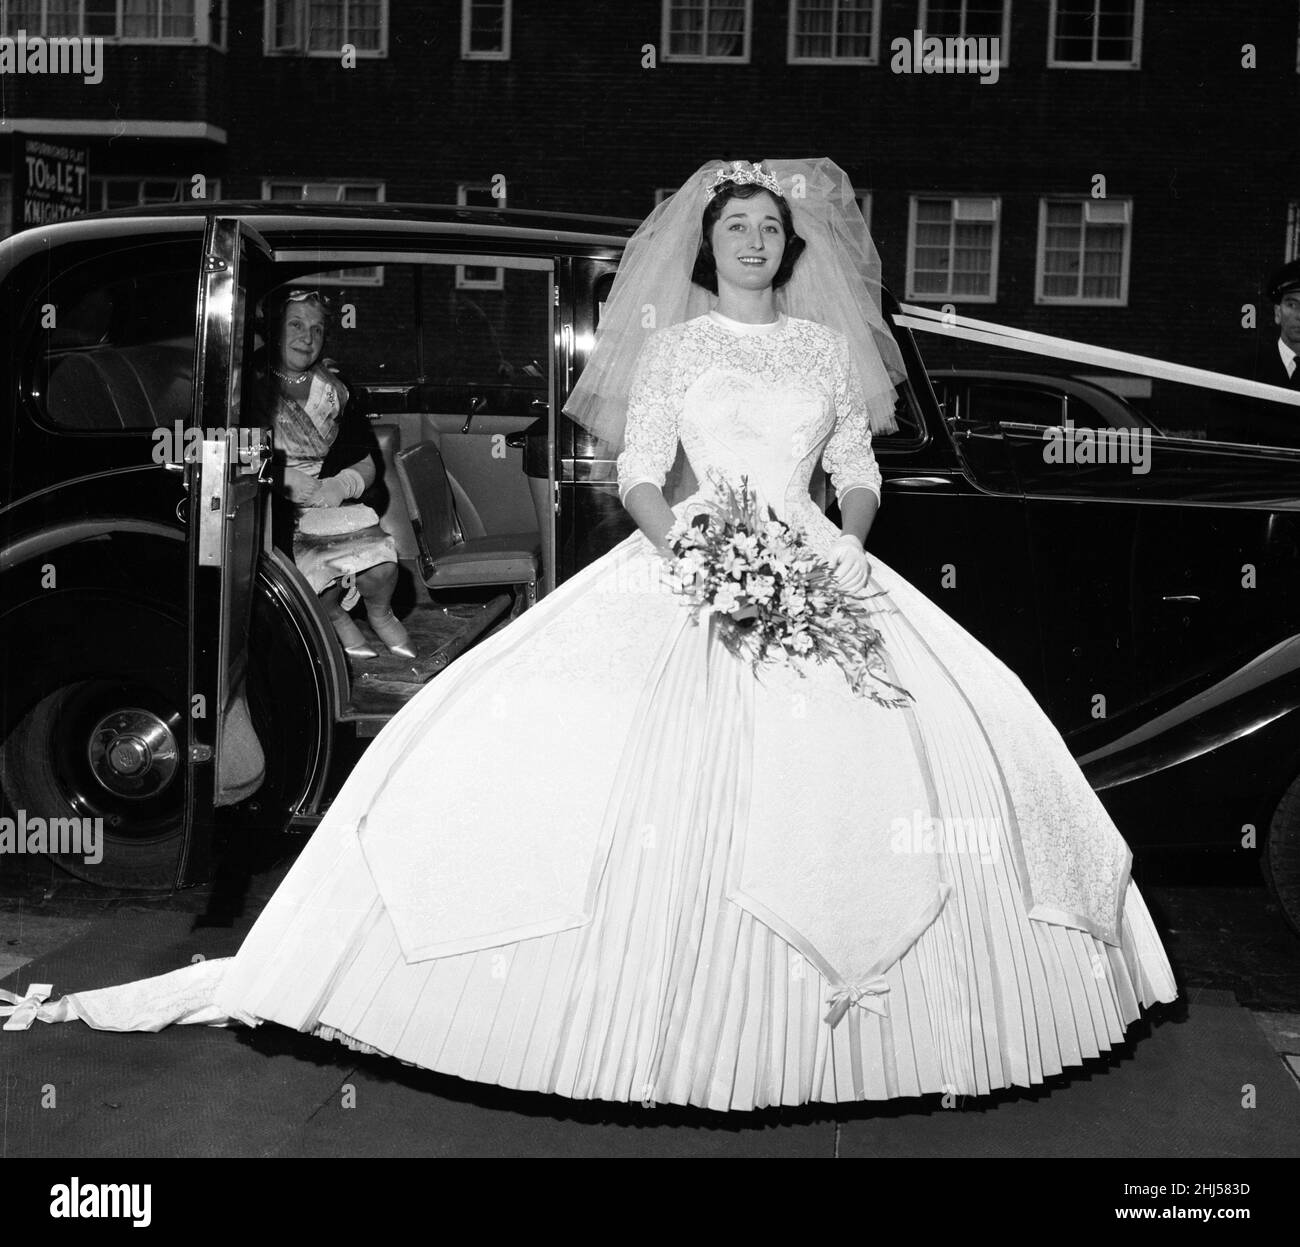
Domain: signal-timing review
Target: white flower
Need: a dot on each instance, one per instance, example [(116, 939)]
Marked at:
[(727, 599), (682, 579), (746, 544), (760, 587), (801, 642)]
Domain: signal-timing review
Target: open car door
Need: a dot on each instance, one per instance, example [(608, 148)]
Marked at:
[(225, 761)]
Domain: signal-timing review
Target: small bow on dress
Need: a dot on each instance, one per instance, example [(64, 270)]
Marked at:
[(869, 995)]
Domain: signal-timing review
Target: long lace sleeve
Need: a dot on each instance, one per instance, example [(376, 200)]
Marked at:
[(848, 458), (653, 408)]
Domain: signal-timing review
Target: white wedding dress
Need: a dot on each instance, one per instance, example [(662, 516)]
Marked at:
[(598, 857)]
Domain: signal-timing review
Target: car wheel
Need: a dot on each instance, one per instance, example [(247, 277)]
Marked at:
[(1282, 855), (107, 753), (106, 739), (109, 746)]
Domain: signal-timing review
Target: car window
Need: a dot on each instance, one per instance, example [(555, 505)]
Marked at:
[(1201, 414), (115, 346), (372, 333), (907, 415), (445, 336), (487, 340), (1014, 404), (600, 292)]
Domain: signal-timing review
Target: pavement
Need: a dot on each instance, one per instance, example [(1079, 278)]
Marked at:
[(1215, 1075)]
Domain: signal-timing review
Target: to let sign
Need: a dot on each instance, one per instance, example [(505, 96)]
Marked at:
[(51, 182)]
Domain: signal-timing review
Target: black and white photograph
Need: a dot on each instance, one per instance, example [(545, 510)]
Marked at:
[(651, 579)]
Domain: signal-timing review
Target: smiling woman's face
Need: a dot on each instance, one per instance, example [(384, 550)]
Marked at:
[(748, 242), (302, 336)]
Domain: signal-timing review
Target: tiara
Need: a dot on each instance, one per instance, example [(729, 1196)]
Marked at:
[(742, 172)]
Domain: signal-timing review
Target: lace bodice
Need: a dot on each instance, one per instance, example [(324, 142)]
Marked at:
[(761, 401)]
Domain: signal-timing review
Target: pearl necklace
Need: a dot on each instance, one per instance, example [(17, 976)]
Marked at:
[(284, 376)]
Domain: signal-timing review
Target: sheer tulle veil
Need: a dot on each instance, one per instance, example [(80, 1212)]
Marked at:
[(836, 282)]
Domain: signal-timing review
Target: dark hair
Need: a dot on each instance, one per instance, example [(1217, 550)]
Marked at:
[(705, 272)]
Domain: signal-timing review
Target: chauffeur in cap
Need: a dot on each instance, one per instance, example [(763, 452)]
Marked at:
[(1284, 291), (1273, 361)]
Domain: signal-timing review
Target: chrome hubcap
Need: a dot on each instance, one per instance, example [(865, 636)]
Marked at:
[(133, 753)]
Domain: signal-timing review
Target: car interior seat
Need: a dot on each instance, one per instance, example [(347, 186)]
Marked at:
[(448, 559)]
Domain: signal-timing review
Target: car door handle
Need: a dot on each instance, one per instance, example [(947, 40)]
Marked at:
[(923, 482), (476, 404), (1181, 597)]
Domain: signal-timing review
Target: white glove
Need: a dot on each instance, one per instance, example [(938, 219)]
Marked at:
[(301, 488), (334, 491), (850, 564)]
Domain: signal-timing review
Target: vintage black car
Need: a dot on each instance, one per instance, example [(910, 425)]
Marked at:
[(167, 668)]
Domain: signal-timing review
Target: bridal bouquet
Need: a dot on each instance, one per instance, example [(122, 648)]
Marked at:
[(775, 601)]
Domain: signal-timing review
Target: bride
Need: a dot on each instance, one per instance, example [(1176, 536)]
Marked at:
[(599, 857)]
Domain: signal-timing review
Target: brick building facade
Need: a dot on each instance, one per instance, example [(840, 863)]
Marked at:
[(1127, 174)]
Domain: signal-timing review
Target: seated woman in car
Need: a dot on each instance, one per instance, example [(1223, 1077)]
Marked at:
[(328, 461)]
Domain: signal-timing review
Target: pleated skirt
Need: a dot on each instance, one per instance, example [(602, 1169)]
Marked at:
[(672, 993)]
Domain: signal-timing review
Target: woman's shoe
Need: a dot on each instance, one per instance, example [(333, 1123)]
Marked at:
[(351, 637), (388, 628)]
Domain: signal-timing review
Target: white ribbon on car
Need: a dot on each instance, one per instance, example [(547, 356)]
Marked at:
[(20, 1011), (953, 325)]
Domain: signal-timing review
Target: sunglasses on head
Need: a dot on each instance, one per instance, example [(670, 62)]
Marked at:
[(299, 296)]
